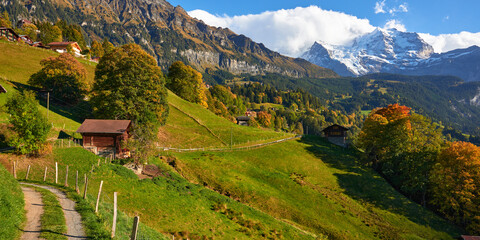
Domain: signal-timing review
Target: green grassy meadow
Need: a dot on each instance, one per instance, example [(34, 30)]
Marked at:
[(181, 130), (316, 186), (11, 206)]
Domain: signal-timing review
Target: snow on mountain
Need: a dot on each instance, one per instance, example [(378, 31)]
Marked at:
[(392, 51)]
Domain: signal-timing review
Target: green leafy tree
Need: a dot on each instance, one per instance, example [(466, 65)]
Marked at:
[(130, 85), (71, 33), (187, 83), (64, 76), (49, 33), (97, 49), (30, 30), (5, 20), (29, 126), (107, 46), (403, 147)]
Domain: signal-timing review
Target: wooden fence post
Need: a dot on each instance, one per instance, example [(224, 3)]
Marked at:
[(28, 171), (114, 224), (98, 164), (15, 169), (56, 172), (45, 174), (136, 220), (85, 187), (76, 183), (98, 196), (66, 178)]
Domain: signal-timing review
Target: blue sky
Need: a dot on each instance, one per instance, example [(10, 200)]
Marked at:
[(440, 21)]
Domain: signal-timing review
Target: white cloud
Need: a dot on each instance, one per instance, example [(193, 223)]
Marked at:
[(379, 7), (395, 24), (403, 7), (448, 42), (292, 31)]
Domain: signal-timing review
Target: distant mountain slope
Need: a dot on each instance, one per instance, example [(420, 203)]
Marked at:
[(166, 32), (393, 51)]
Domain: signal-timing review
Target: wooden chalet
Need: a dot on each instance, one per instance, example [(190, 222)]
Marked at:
[(11, 35), (104, 137), (22, 22), (26, 39), (336, 134), (61, 47), (243, 120)]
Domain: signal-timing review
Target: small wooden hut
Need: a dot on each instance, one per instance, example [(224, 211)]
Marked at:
[(104, 137), (243, 120), (336, 134)]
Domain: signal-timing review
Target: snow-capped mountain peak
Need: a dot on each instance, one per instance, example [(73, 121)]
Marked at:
[(394, 51)]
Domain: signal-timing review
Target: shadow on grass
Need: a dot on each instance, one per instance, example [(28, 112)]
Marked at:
[(365, 185), (77, 112)]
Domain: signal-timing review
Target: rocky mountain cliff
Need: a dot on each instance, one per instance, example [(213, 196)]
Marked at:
[(166, 32), (393, 51)]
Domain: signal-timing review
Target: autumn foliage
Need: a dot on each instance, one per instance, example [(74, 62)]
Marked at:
[(64, 76), (187, 83), (409, 151), (456, 184)]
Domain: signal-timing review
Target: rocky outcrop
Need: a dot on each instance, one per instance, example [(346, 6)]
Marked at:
[(170, 34)]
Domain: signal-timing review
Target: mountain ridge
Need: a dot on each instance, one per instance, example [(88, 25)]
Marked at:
[(166, 32), (393, 51)]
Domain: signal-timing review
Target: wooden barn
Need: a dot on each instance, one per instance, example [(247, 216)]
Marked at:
[(243, 120), (104, 137), (10, 34), (336, 134)]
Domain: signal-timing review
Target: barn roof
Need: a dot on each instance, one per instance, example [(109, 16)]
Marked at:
[(333, 127), (464, 237), (104, 126), (243, 118), (61, 44)]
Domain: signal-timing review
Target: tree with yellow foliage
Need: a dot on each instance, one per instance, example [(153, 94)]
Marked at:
[(456, 184), (187, 83)]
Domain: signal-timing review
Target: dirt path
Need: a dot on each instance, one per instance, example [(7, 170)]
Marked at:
[(34, 208), (72, 217)]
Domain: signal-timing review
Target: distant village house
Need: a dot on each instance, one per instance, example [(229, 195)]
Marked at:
[(9, 34), (62, 47), (336, 134), (104, 137), (243, 120)]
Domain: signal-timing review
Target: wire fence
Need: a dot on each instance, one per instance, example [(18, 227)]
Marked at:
[(229, 148)]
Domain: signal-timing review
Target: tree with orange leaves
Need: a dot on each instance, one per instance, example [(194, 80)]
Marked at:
[(402, 146), (383, 132), (456, 184)]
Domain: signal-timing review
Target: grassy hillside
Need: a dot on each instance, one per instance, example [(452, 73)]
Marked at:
[(190, 125), (316, 186), (17, 63), (11, 206), (169, 204)]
